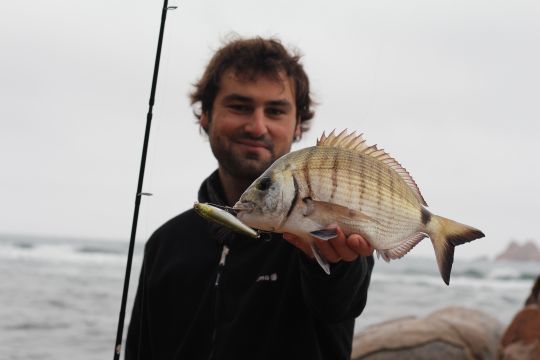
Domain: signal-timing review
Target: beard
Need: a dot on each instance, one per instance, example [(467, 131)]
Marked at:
[(241, 163)]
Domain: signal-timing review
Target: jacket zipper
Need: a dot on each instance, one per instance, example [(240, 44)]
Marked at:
[(217, 307)]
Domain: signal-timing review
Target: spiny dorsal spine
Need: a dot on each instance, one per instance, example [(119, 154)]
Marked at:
[(358, 143)]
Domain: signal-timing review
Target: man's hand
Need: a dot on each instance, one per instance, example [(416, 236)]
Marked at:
[(336, 249)]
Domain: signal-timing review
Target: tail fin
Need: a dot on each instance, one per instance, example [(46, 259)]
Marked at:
[(445, 234)]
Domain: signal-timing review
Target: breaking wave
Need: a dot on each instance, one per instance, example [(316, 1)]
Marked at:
[(66, 250), (504, 274)]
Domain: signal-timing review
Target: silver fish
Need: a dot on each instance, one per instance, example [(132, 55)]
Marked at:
[(362, 189), (224, 218)]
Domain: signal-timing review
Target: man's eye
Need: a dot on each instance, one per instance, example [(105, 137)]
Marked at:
[(239, 108), (275, 112)]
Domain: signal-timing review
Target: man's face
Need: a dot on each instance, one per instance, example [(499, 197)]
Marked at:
[(252, 124)]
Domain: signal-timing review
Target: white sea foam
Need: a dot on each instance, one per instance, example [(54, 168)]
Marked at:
[(56, 252)]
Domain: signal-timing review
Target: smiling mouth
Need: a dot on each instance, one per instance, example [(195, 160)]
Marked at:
[(259, 141), (254, 145)]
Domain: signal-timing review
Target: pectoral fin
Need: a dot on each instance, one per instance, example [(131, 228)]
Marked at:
[(324, 212), (320, 258), (324, 234)]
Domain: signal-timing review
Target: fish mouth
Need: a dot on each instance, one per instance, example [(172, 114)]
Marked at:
[(244, 205)]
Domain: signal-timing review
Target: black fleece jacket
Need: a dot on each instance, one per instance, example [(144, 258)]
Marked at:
[(207, 293)]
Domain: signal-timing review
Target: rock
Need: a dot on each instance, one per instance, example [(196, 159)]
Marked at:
[(515, 252), (450, 333), (521, 340), (534, 297)]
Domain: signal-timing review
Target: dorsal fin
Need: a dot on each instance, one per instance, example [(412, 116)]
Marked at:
[(343, 140), (357, 143)]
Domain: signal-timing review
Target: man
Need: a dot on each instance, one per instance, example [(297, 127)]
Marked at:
[(208, 293)]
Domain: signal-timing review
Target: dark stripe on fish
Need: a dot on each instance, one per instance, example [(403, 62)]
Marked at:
[(392, 194), (362, 178), (335, 167), (379, 187), (426, 216), (293, 202), (305, 169)]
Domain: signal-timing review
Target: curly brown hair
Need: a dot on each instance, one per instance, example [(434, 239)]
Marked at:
[(248, 59)]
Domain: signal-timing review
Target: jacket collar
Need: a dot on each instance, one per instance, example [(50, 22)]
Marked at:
[(211, 191)]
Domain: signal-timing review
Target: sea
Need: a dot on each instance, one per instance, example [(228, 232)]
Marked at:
[(60, 298)]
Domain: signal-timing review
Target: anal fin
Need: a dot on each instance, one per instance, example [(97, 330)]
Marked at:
[(320, 258), (400, 250)]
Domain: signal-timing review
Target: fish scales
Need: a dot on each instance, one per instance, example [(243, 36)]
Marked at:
[(325, 181), (359, 177), (366, 200), (362, 189), (365, 170)]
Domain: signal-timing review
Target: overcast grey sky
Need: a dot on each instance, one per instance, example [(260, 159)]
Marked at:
[(450, 88)]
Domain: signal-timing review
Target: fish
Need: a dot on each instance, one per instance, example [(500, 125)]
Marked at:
[(343, 181), (224, 218)]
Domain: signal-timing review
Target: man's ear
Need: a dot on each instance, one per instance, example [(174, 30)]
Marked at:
[(204, 121), (298, 130)]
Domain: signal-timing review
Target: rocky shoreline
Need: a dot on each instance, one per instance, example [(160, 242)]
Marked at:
[(455, 333)]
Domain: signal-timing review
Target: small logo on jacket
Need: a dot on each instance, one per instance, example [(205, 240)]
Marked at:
[(271, 277)]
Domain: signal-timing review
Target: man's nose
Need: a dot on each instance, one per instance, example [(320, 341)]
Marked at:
[(256, 126)]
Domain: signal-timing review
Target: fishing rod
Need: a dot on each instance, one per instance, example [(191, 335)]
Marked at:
[(139, 193)]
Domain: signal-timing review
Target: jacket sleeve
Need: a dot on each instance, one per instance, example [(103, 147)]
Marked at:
[(137, 342), (340, 295)]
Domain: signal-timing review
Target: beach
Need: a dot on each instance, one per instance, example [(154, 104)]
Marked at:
[(60, 298)]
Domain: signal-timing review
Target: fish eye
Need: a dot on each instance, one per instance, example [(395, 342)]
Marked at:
[(264, 183)]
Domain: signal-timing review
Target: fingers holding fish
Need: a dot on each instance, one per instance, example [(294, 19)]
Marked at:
[(339, 247), (346, 248), (359, 245), (327, 251), (336, 249)]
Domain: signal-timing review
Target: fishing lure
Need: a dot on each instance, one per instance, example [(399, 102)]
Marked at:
[(223, 217)]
